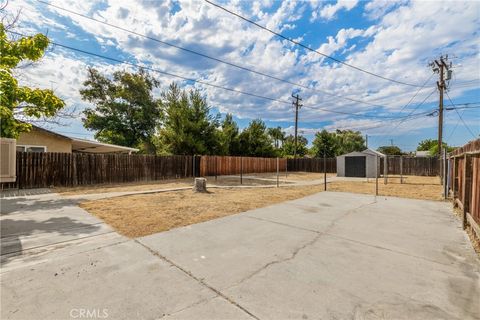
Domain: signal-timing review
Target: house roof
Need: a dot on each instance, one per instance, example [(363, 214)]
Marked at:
[(83, 145), (50, 132), (90, 146)]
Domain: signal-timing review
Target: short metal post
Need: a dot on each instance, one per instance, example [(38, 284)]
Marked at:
[(385, 169), (193, 167), (241, 170), (278, 171), (401, 169), (286, 169), (324, 171)]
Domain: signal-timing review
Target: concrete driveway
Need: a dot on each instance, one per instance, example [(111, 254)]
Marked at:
[(326, 256)]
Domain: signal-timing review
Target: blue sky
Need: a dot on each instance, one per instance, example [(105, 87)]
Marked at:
[(394, 39)]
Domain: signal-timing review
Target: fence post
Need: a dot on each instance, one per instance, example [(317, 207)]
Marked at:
[(454, 179), (216, 167), (464, 192), (445, 171), (385, 169), (278, 171), (401, 169)]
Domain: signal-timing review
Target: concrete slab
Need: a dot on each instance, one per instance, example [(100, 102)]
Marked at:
[(328, 256), (226, 251), (335, 256), (45, 222), (125, 281)]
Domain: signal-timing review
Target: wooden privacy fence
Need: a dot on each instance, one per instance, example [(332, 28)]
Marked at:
[(226, 165), (312, 165), (41, 170), (414, 166), (464, 182)]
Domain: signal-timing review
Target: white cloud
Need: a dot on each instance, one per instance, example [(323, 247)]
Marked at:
[(329, 11), (398, 45)]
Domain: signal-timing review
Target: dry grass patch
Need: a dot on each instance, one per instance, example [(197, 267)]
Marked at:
[(140, 215), (128, 186), (187, 182), (425, 188)]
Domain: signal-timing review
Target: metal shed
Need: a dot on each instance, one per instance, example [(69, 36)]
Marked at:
[(358, 164)]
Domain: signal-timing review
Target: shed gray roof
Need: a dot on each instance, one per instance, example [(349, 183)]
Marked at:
[(366, 151)]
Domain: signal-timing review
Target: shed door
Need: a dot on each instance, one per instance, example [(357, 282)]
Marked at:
[(355, 167)]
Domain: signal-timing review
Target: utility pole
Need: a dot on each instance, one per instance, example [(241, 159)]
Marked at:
[(366, 141), (297, 105), (391, 142), (441, 67)]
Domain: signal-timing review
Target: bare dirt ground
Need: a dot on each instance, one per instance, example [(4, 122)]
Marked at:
[(415, 187), (250, 179), (141, 215)]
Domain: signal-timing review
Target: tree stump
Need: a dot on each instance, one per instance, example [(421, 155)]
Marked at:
[(200, 185)]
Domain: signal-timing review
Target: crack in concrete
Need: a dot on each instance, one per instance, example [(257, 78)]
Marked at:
[(189, 306), (295, 252), (388, 249), (199, 280)]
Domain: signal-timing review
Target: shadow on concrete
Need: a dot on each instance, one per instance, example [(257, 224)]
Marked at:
[(29, 205), (13, 230)]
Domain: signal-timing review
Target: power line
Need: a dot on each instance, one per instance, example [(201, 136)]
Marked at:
[(461, 118), (200, 81), (308, 48), (209, 57)]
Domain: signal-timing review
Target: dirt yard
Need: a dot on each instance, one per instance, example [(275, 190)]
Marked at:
[(254, 179), (141, 215), (425, 188)]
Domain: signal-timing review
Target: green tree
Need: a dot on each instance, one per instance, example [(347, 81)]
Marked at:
[(277, 135), (125, 112), (18, 101), (324, 143), (188, 128), (431, 145), (229, 136), (390, 150), (288, 148), (255, 141), (349, 141)]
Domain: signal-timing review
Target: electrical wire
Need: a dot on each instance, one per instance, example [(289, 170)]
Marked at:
[(308, 48), (201, 81), (209, 57), (461, 118)]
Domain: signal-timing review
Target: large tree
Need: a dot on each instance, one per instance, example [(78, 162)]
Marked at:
[(349, 141), (288, 148), (229, 137), (126, 112), (277, 135), (431, 145), (188, 127), (390, 150), (19, 101), (255, 141), (324, 144)]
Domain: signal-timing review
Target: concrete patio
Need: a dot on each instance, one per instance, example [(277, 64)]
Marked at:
[(328, 256)]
